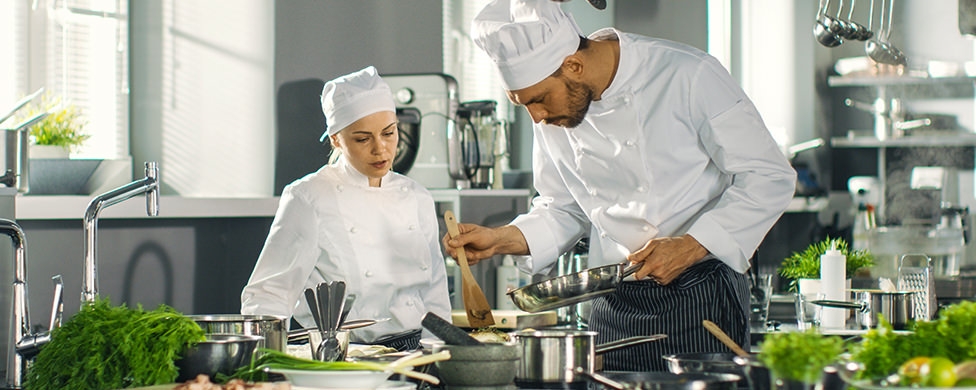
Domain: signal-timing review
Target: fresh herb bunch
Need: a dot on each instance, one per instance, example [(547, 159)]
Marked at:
[(799, 356), (951, 335), (113, 347), (806, 264)]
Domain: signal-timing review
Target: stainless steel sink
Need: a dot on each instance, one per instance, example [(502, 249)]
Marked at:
[(77, 176)]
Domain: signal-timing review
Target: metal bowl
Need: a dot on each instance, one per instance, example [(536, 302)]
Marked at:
[(274, 329), (572, 288), (219, 353)]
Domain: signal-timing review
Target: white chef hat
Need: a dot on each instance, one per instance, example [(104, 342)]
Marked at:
[(349, 98), (527, 39)]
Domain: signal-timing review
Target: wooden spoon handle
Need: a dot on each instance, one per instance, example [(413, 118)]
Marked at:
[(475, 304), (724, 338)]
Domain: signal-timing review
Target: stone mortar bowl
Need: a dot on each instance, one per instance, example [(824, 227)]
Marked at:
[(491, 364)]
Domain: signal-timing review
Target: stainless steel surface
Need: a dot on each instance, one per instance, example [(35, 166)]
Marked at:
[(915, 274), (274, 329), (18, 154), (220, 353), (652, 380), (572, 288), (552, 356), (149, 186)]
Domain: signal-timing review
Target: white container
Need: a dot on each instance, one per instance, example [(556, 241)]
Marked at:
[(833, 277), (506, 279)]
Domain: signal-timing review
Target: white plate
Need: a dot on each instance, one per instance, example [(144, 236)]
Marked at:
[(388, 385), (334, 379)]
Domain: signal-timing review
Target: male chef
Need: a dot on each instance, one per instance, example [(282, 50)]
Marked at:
[(652, 150)]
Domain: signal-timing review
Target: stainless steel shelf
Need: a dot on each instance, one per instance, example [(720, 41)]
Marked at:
[(904, 142), (869, 81)]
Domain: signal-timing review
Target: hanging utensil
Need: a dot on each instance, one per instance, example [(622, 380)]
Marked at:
[(313, 306), (724, 338), (826, 28), (861, 32), (475, 303)]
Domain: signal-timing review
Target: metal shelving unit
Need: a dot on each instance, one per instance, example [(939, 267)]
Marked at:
[(881, 85)]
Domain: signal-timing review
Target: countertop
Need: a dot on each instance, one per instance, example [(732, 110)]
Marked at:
[(50, 207)]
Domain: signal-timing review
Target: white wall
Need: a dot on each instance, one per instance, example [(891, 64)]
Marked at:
[(202, 90)]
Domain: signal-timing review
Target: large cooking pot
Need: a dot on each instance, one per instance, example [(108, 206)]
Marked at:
[(552, 356), (896, 307), (652, 380), (573, 288), (274, 329)]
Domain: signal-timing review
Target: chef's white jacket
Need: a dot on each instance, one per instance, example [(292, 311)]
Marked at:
[(674, 146), (382, 241)]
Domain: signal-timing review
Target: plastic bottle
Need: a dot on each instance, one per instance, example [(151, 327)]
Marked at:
[(864, 222), (453, 271), (506, 278), (833, 285)]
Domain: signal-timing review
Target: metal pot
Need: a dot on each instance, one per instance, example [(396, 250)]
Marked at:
[(754, 375), (552, 356), (573, 288), (896, 307), (651, 380), (274, 329)]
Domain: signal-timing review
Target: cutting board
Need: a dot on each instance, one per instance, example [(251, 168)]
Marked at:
[(510, 319)]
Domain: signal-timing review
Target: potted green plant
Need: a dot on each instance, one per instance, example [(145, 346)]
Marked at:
[(59, 133), (806, 265)]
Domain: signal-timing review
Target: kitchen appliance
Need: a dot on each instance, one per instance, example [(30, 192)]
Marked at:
[(434, 99), (478, 130)]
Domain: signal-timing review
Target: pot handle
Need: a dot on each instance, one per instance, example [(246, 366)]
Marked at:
[(841, 304), (614, 345), (599, 379)]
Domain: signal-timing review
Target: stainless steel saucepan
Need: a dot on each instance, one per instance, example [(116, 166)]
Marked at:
[(573, 288)]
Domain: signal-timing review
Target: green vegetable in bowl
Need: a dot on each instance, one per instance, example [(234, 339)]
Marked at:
[(799, 356), (113, 347)]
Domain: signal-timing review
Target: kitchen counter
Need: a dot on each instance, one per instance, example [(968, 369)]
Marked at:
[(48, 207)]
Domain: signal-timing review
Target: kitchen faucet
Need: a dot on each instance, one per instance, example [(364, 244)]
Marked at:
[(149, 186), (24, 343)]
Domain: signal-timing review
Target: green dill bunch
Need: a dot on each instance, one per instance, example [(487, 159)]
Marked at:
[(113, 347), (806, 264)]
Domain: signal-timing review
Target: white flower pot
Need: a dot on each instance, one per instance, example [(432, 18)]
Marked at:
[(48, 151)]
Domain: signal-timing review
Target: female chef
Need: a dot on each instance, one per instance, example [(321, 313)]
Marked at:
[(357, 221)]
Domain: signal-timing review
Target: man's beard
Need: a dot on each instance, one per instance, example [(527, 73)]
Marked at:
[(579, 97)]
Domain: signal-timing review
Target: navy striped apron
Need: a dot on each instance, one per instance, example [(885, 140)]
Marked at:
[(708, 290)]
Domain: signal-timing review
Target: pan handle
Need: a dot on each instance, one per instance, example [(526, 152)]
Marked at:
[(614, 345), (841, 304), (599, 379), (632, 269)]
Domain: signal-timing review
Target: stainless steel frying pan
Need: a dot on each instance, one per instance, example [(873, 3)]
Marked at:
[(573, 288)]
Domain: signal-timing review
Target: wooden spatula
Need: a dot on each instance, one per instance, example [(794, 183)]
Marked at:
[(475, 303)]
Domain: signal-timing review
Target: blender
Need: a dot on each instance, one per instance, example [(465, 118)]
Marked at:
[(477, 130)]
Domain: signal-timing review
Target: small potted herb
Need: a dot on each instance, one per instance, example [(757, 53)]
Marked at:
[(59, 133), (806, 265)]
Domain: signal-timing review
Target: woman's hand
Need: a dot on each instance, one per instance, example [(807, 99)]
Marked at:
[(667, 257), (481, 242)]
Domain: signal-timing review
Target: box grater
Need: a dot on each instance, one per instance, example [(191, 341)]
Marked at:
[(915, 274)]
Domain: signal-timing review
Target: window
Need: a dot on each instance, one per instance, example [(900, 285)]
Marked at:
[(78, 51)]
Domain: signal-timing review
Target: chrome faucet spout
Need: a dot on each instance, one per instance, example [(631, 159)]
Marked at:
[(20, 324), (149, 186)]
